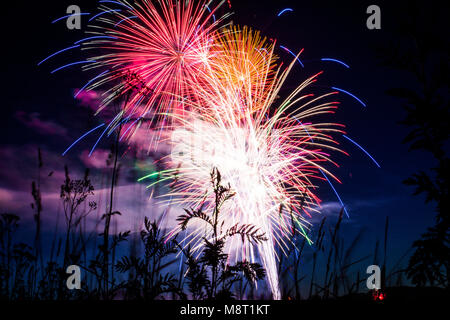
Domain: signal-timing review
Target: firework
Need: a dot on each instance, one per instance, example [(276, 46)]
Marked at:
[(243, 62), (270, 159), (210, 92), (150, 52), (217, 90)]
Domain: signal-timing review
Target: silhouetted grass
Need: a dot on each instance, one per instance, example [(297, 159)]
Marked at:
[(326, 269)]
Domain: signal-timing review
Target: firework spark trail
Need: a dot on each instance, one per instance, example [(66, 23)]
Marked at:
[(284, 10), (337, 61)]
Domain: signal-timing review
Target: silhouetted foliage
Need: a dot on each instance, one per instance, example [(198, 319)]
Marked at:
[(73, 194), (147, 279), (17, 259), (420, 52), (210, 276)]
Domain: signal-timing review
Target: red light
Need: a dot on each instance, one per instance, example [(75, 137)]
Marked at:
[(378, 296)]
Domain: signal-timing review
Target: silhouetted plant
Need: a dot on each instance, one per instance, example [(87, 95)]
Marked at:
[(210, 276), (98, 265), (51, 281), (330, 254), (105, 248), (73, 194), (148, 279), (424, 56), (17, 259), (429, 263), (37, 205)]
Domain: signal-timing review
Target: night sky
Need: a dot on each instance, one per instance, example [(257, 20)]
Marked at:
[(39, 109)]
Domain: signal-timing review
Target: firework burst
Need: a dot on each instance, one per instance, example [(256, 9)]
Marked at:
[(243, 62), (213, 94), (150, 52), (270, 159)]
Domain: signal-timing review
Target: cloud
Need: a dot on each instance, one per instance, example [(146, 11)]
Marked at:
[(8, 198), (331, 208), (92, 100), (88, 98), (33, 121), (20, 165), (20, 169), (97, 160)]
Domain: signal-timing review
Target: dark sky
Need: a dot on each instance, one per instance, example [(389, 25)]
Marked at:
[(333, 29)]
